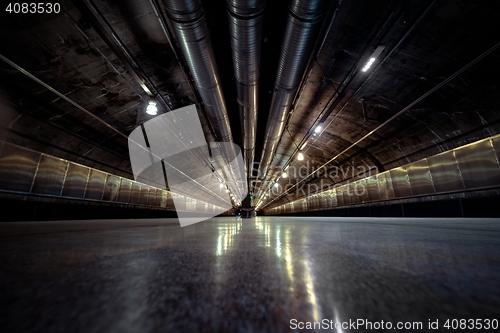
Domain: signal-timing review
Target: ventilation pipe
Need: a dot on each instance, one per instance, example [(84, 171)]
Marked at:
[(190, 26), (189, 23), (245, 28), (303, 25)]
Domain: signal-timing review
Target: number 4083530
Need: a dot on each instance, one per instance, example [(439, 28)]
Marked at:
[(33, 8)]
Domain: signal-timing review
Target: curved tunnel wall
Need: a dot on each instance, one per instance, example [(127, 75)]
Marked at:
[(38, 176), (473, 167)]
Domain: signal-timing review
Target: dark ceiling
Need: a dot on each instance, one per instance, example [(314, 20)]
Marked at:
[(110, 56)]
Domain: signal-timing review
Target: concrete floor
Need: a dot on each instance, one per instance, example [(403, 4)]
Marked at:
[(233, 275)]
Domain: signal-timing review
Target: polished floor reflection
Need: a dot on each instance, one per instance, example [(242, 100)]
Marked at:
[(267, 274)]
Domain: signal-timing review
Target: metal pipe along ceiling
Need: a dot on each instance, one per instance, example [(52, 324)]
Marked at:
[(189, 23), (245, 28), (188, 20), (303, 24)]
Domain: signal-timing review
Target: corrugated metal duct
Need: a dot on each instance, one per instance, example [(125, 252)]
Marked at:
[(245, 28), (190, 26), (303, 25)]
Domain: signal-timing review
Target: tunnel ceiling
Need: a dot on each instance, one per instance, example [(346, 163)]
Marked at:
[(433, 87)]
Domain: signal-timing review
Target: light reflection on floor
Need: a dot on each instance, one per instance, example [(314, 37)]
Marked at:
[(249, 275)]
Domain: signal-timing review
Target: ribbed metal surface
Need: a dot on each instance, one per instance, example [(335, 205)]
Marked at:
[(445, 168), (144, 196), (304, 21), (496, 146), (17, 168), (472, 167), (37, 176), (50, 175), (111, 188), (308, 10), (193, 35), (180, 202), (245, 29), (339, 194), (420, 178), (400, 182), (372, 189), (190, 26), (184, 10), (363, 194), (135, 193), (386, 190), (125, 190), (76, 181), (346, 193), (478, 164), (166, 200), (95, 185)]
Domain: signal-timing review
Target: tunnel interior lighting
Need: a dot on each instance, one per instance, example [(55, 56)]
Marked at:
[(151, 109), (317, 129), (221, 185), (373, 57), (368, 64), (303, 146), (300, 157), (284, 175)]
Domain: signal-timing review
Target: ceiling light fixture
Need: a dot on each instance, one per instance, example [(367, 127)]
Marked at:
[(151, 109), (284, 175), (303, 146), (317, 129), (373, 57), (368, 64), (300, 157)]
